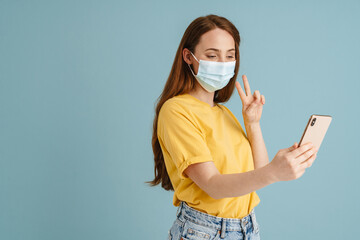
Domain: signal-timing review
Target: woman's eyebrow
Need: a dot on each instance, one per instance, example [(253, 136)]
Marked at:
[(217, 50), (213, 49)]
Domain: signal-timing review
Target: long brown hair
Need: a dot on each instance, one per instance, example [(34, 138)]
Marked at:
[(181, 81)]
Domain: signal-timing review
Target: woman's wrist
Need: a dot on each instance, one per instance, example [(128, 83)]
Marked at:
[(252, 124), (269, 173)]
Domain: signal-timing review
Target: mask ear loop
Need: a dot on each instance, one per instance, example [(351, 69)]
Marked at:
[(189, 65), (194, 57), (191, 70)]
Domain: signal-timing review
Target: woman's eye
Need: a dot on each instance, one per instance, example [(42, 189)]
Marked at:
[(231, 57), (211, 56)]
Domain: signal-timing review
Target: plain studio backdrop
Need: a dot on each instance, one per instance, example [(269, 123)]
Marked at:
[(78, 86)]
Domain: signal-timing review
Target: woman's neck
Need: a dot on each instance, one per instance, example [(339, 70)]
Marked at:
[(203, 95)]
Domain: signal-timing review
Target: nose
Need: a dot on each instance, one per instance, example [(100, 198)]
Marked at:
[(222, 58)]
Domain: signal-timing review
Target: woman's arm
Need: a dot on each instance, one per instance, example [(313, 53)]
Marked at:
[(288, 164), (218, 185), (251, 111), (258, 148)]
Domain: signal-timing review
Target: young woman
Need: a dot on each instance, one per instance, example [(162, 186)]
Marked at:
[(202, 152)]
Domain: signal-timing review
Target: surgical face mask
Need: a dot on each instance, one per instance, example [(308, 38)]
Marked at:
[(214, 75)]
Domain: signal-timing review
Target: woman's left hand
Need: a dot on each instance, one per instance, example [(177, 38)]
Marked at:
[(252, 104)]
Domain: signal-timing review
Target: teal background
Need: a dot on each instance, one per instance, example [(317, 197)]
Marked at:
[(78, 85)]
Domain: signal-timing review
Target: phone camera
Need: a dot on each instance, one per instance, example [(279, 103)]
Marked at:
[(313, 122)]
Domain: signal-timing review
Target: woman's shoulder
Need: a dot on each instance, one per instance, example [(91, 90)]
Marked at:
[(225, 109), (174, 113), (175, 104), (172, 109)]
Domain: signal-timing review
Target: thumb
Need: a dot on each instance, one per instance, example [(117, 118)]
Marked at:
[(293, 147)]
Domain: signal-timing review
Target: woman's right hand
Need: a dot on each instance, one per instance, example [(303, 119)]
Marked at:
[(290, 163)]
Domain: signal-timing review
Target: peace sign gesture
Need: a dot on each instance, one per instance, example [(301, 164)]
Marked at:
[(252, 104)]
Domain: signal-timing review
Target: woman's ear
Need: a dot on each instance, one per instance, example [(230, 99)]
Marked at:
[(187, 56)]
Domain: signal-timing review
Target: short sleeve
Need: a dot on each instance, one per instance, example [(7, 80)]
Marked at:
[(182, 139)]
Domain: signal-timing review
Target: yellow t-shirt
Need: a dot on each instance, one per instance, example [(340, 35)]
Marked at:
[(191, 131)]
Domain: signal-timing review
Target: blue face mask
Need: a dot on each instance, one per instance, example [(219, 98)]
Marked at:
[(214, 75)]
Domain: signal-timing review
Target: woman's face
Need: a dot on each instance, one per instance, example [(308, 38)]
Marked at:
[(216, 45)]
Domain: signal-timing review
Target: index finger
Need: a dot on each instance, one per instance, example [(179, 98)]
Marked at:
[(240, 90), (300, 150)]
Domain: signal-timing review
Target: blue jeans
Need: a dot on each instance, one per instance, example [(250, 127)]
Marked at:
[(191, 224)]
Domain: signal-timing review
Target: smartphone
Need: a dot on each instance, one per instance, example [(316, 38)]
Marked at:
[(315, 130)]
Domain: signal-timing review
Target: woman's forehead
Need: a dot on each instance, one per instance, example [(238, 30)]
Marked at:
[(216, 39)]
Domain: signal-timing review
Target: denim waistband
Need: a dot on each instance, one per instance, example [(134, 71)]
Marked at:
[(222, 224)]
